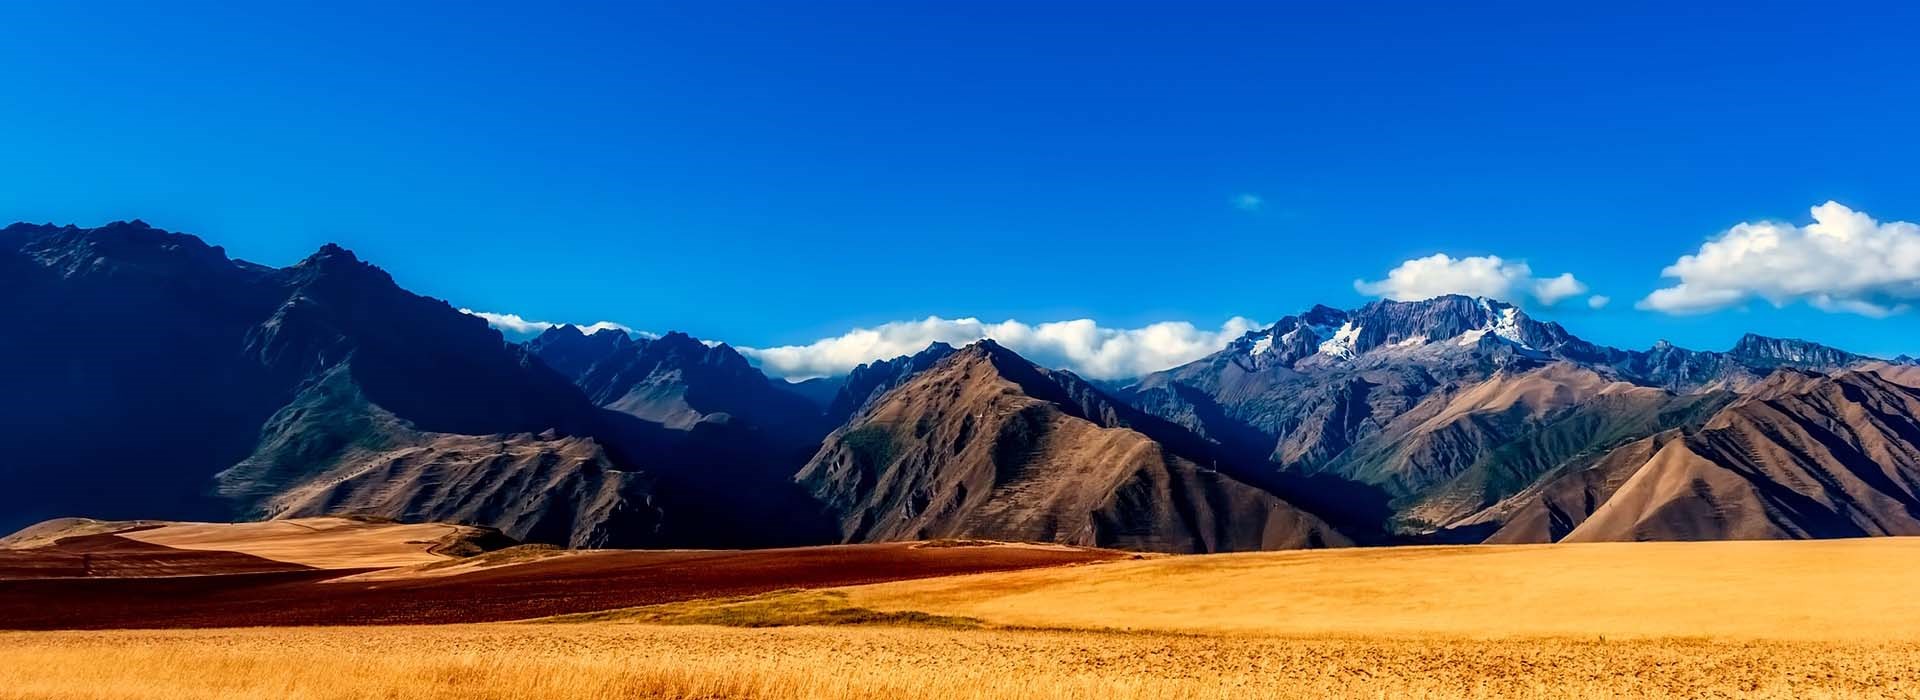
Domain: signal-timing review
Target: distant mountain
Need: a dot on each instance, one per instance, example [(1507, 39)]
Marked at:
[(872, 380), (733, 438), (820, 391), (1451, 405), (572, 352), (677, 381), (984, 444)]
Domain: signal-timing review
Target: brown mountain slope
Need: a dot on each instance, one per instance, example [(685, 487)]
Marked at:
[(1902, 374), (984, 444), (1802, 456), (1562, 500)]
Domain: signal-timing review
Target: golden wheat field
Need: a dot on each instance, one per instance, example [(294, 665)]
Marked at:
[(1817, 591), (1733, 620), (503, 661)]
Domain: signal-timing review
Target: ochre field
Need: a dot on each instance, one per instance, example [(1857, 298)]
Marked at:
[(1818, 591), (1726, 619)]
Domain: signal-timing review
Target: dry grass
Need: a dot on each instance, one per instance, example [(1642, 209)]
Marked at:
[(485, 662), (322, 543), (1833, 590), (777, 609)]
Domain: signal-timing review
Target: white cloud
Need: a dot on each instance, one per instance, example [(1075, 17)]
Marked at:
[(1485, 276), (518, 327), (1082, 346), (1248, 202), (1598, 301), (1842, 262)]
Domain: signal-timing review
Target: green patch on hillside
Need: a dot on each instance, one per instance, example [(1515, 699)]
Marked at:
[(871, 445), (776, 609)]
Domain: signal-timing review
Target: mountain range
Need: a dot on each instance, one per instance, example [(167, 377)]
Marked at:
[(152, 376)]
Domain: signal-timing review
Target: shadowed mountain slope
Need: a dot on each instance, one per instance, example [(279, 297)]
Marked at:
[(326, 388)]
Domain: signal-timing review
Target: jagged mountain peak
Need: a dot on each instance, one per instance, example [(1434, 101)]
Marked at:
[(983, 345), (869, 381), (680, 382), (564, 330), (337, 277), (1768, 350), (572, 352), (1328, 335), (677, 344), (129, 249), (936, 349), (333, 259)]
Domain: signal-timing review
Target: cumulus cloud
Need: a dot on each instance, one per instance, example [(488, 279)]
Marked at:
[(519, 327), (1598, 301), (1248, 202), (1844, 262), (1485, 276), (1082, 346)]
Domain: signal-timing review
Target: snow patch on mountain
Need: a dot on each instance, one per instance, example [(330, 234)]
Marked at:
[(1508, 327), (1341, 345)]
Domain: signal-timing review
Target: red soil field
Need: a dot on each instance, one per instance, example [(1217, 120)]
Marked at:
[(553, 586), (112, 555)]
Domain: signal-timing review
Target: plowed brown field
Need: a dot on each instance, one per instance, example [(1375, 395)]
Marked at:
[(566, 583)]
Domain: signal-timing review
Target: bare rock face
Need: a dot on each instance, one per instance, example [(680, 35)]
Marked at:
[(986, 445), (1802, 456)]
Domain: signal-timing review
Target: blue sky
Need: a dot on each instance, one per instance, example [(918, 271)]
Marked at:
[(771, 174)]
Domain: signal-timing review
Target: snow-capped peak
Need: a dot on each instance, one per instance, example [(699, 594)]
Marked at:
[(1508, 327), (1263, 344), (1341, 345)]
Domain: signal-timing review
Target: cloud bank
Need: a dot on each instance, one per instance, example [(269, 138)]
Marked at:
[(1083, 346), (520, 328), (1511, 281), (1842, 262)]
